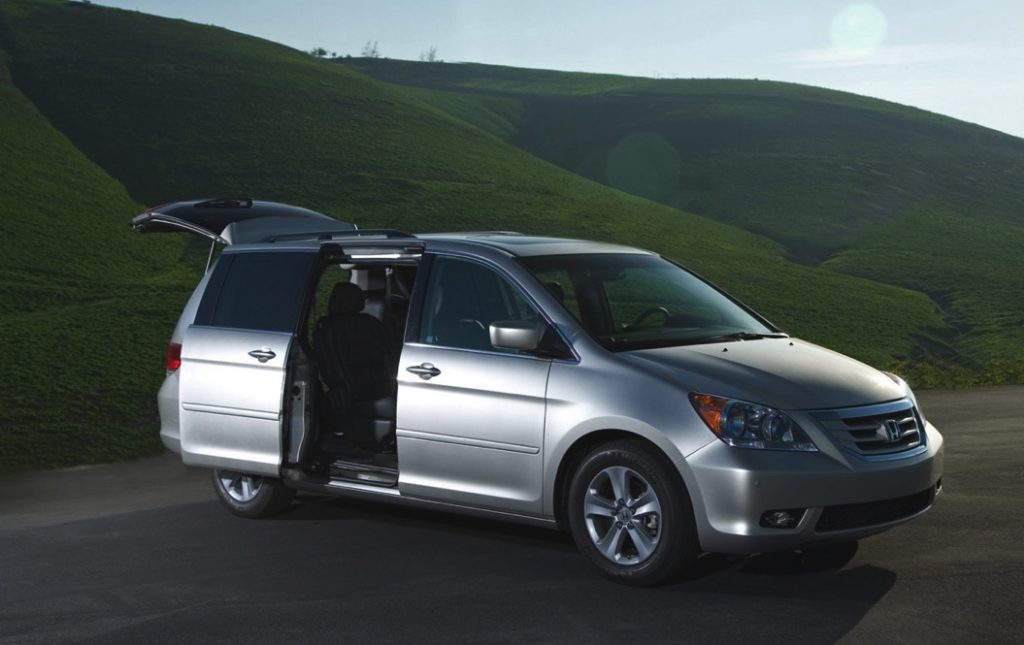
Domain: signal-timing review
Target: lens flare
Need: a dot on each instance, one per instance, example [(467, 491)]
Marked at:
[(858, 29), (644, 164)]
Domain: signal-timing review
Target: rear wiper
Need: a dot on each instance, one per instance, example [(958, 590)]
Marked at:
[(739, 335)]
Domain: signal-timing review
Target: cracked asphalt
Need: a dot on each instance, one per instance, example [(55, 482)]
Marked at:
[(142, 552)]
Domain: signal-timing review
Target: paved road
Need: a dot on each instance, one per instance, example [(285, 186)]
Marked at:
[(141, 552)]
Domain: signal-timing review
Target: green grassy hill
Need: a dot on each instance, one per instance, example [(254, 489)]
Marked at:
[(106, 110), (867, 187), (83, 307)]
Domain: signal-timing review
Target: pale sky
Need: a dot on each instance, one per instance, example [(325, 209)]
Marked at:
[(957, 57)]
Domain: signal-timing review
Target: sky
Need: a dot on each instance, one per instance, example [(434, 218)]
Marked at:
[(960, 58)]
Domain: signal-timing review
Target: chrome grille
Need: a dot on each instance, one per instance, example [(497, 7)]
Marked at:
[(875, 431)]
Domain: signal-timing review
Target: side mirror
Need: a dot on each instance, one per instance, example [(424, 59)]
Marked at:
[(516, 334)]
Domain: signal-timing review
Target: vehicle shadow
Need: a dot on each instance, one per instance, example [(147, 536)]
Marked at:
[(378, 573), (811, 595), (313, 508)]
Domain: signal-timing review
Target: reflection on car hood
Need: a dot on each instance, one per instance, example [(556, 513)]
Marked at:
[(782, 372)]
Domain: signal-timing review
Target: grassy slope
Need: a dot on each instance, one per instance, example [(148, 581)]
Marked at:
[(82, 307), (741, 151), (902, 196), (172, 110), (974, 266)]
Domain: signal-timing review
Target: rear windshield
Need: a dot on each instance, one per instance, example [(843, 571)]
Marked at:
[(633, 301)]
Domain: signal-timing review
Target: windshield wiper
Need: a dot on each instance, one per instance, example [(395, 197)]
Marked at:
[(621, 345), (739, 335)]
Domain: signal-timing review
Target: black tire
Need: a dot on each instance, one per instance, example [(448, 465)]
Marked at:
[(672, 530), (265, 495)]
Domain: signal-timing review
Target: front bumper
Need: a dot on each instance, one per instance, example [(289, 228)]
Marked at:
[(732, 488)]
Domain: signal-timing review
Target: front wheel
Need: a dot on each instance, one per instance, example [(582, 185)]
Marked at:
[(631, 516), (251, 495)]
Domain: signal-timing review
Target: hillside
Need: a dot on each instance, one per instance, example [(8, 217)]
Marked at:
[(105, 110), (83, 308), (861, 186)]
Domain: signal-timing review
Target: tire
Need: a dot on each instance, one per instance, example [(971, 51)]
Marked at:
[(251, 496), (653, 545)]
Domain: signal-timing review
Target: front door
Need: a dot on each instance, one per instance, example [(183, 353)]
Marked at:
[(470, 416)]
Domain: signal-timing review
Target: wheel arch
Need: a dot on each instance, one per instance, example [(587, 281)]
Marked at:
[(580, 447)]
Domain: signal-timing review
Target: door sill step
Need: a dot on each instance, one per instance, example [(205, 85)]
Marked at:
[(364, 473)]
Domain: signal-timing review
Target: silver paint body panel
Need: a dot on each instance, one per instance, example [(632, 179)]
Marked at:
[(490, 432), (231, 402), (472, 434)]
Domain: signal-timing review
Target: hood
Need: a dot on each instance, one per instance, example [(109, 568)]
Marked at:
[(784, 373)]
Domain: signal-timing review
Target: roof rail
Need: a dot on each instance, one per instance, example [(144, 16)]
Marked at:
[(387, 233)]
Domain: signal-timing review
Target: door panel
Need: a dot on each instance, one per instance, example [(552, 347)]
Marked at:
[(231, 401), (473, 433), (470, 416)]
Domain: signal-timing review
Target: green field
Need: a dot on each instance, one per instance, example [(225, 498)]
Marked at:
[(105, 111)]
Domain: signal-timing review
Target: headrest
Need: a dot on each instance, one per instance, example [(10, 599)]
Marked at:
[(556, 290), (346, 298)]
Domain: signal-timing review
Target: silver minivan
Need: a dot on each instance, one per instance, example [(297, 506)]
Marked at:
[(598, 388)]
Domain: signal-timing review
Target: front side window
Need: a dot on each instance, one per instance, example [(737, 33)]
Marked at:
[(463, 298), (634, 301)]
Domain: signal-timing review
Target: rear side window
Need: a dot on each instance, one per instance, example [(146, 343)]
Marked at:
[(261, 291)]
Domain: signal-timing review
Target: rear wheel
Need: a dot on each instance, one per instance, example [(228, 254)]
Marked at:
[(631, 516), (251, 495)]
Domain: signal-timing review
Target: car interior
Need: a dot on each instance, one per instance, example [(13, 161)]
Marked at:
[(343, 372)]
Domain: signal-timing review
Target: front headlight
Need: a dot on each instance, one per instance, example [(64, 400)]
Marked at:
[(750, 425)]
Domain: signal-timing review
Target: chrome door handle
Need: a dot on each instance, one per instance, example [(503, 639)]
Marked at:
[(425, 371), (263, 354)]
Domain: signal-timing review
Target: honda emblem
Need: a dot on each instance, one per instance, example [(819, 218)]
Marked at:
[(892, 430)]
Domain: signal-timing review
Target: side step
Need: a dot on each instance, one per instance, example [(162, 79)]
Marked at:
[(364, 473)]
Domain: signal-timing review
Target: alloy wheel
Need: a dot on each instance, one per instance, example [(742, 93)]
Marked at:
[(622, 514), (240, 487)]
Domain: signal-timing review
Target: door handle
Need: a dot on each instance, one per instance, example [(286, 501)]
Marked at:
[(425, 371), (263, 354)]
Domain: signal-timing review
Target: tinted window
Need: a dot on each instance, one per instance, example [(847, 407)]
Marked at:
[(559, 283), (463, 298), (256, 291)]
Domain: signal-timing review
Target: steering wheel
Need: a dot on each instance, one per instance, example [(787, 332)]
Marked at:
[(647, 313), (473, 322)]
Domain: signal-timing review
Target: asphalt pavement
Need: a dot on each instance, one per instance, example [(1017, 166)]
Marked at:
[(143, 553)]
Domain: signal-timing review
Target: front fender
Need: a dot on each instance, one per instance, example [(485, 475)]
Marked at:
[(596, 396)]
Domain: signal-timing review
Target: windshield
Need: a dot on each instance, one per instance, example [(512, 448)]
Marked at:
[(632, 301)]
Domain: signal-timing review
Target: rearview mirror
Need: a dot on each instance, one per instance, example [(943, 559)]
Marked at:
[(523, 335)]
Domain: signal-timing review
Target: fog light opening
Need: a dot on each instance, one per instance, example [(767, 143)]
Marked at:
[(783, 518)]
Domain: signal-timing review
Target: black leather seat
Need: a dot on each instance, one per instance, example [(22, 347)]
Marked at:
[(357, 364)]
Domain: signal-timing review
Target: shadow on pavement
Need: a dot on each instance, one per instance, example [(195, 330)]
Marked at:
[(337, 570)]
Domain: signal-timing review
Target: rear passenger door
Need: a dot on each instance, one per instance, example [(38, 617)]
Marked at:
[(235, 357)]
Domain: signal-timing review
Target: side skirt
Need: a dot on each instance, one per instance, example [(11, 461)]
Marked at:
[(298, 480)]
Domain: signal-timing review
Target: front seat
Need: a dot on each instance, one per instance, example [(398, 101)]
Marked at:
[(358, 367)]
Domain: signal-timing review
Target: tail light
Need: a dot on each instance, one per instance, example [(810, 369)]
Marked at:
[(173, 357)]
